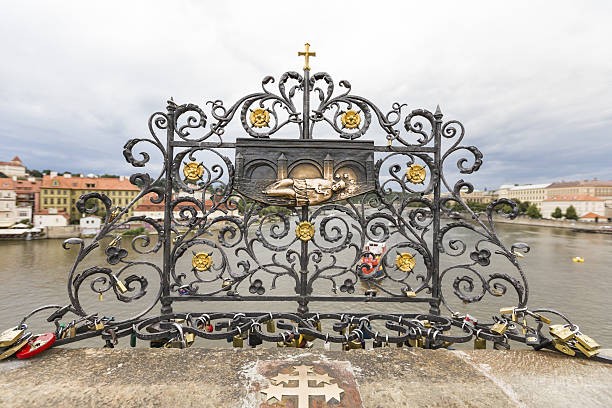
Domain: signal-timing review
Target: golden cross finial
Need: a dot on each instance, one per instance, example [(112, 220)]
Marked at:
[(306, 55)]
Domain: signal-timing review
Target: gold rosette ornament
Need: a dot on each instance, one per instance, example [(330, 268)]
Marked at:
[(405, 262), (201, 261), (305, 231), (416, 174), (193, 171), (260, 118), (350, 119)]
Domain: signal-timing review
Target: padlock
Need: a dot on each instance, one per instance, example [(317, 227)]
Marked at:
[(100, 296), (175, 343), (209, 328), (10, 336), (507, 310), (470, 320), (532, 339), (501, 345), (499, 327), (410, 293), (318, 326), (564, 348), (238, 341), (561, 332), (72, 331), (480, 343), (270, 326), (586, 351), (327, 345), (98, 325), (120, 286), (189, 338), (133, 340), (541, 318), (587, 342), (254, 339), (377, 344)]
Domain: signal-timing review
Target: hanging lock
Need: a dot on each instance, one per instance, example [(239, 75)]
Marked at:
[(532, 339), (499, 327), (238, 341), (119, 284), (10, 336), (270, 326), (564, 348), (98, 325), (562, 333), (480, 343)]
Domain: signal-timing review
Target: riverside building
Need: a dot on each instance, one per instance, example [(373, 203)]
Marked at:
[(62, 192)]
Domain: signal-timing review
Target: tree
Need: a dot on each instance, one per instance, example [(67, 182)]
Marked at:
[(533, 212), (557, 213), (570, 213), (35, 173), (524, 206), (2, 175)]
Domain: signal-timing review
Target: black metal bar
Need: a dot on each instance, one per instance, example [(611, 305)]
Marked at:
[(167, 243), (282, 298), (306, 106), (435, 279)]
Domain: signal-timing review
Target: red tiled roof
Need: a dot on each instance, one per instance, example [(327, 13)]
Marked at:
[(16, 159), (583, 197), (80, 183), (12, 164), (592, 215), (585, 183), (25, 186), (149, 206)]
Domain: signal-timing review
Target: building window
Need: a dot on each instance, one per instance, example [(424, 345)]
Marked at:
[(64, 200), (45, 201)]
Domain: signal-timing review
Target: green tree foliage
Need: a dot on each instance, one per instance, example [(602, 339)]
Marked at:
[(523, 206), (533, 212), (35, 173), (2, 175), (557, 213), (570, 213)]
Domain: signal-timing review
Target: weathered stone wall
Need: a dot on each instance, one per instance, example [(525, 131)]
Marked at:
[(384, 377)]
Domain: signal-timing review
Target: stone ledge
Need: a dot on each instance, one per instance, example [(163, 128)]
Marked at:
[(385, 377)]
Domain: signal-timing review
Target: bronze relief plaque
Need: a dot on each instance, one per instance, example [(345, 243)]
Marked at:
[(303, 172)]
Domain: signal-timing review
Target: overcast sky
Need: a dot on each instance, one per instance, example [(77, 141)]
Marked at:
[(531, 81)]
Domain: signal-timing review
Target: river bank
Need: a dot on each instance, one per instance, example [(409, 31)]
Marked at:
[(568, 224), (386, 377)]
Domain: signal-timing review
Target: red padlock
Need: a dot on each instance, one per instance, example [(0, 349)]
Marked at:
[(209, 328), (36, 344)]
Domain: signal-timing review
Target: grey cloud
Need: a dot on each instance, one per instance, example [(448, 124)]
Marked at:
[(530, 81)]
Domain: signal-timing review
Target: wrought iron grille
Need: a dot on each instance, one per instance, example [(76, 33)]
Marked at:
[(283, 205)]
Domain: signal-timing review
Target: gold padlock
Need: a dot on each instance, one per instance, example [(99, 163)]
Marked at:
[(506, 310), (418, 342), (543, 319), (98, 325), (318, 326), (10, 336), (72, 332), (480, 343), (410, 294), (189, 338), (586, 351), (564, 348), (425, 323), (561, 332), (587, 342), (270, 326), (499, 327), (176, 343), (238, 341), (120, 286)]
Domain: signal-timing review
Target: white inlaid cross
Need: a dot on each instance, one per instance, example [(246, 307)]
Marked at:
[(302, 374)]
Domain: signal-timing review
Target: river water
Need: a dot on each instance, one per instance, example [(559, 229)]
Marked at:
[(34, 273)]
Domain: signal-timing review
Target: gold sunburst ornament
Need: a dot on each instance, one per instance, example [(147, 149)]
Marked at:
[(305, 231), (350, 119), (201, 261), (260, 118), (193, 171), (416, 174), (405, 262)]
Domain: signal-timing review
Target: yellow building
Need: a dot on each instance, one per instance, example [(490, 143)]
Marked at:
[(62, 192), (534, 193)]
